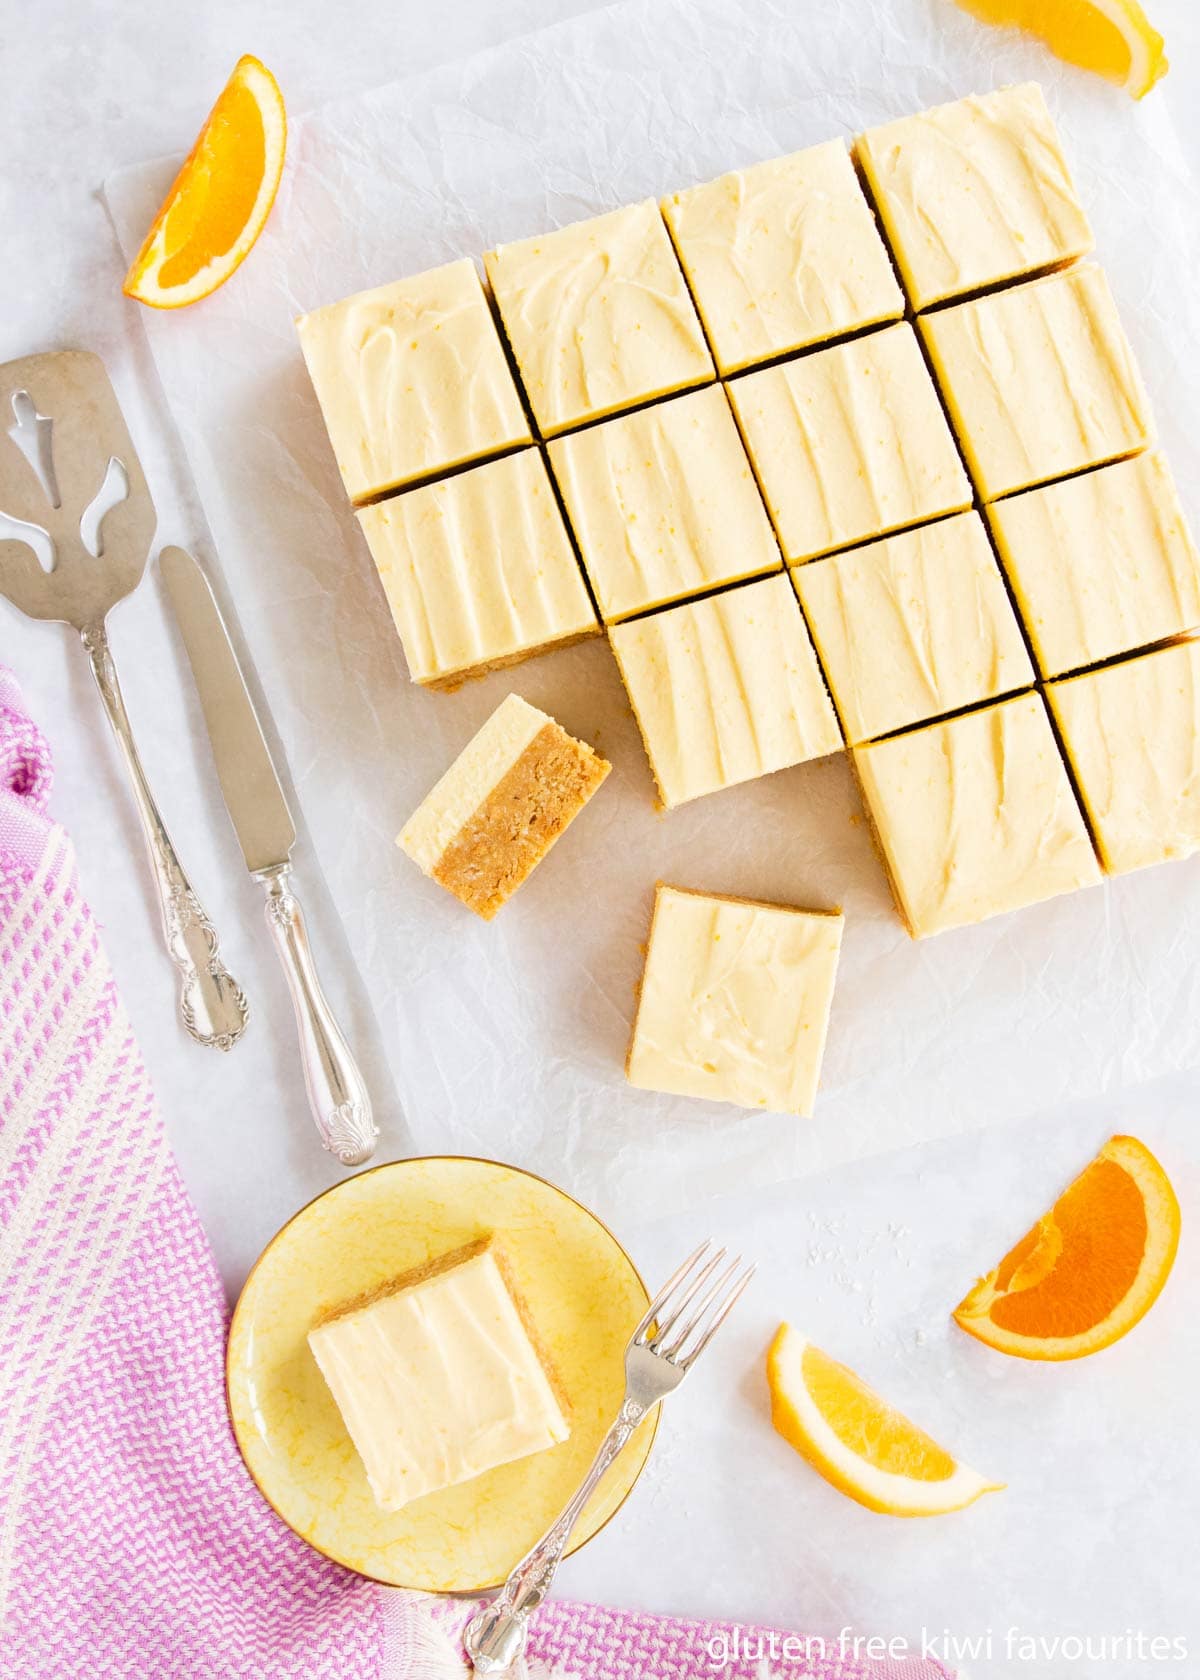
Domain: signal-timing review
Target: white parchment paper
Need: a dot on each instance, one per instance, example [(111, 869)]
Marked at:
[(508, 1040)]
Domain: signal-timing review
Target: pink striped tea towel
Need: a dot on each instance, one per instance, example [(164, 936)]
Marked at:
[(133, 1545)]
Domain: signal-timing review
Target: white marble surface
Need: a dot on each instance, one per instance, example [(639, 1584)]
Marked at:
[(1099, 1521)]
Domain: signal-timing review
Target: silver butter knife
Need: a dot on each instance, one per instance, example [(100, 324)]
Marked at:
[(266, 833)]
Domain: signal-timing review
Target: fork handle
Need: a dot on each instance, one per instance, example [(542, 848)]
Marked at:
[(211, 1002), (495, 1638)]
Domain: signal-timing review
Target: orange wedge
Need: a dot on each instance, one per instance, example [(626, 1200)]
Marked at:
[(1089, 1269), (1112, 37), (221, 197), (865, 1447)]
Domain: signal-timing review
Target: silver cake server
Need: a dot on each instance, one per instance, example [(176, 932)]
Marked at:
[(65, 453), (337, 1092)]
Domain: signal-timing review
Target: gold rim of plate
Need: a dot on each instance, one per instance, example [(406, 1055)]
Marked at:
[(510, 1507)]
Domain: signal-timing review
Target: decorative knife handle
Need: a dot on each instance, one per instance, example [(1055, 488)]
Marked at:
[(337, 1093), (211, 1002)]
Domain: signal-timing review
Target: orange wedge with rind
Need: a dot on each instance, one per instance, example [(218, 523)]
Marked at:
[(1090, 1269), (1114, 38), (221, 198), (865, 1447)]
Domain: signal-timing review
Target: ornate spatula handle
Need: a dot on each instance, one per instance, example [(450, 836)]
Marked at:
[(211, 1002)]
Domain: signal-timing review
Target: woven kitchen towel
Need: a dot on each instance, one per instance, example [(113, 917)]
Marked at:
[(133, 1545)]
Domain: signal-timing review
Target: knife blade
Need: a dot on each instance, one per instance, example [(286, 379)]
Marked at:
[(249, 781), (337, 1092)]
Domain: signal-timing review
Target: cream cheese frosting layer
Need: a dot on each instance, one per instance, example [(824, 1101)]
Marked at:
[(913, 627), (1040, 380), (412, 379), (484, 761), (850, 443), (1101, 564), (975, 816), (663, 503), (598, 316), (725, 689), (1132, 733), (478, 569), (438, 1382), (782, 255), (974, 193), (735, 1001)]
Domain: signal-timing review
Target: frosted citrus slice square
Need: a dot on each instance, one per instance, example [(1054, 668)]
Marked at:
[(598, 316), (725, 689), (975, 193), (849, 443), (783, 254), (1100, 564), (412, 379), (975, 816), (663, 504), (913, 627), (1132, 735), (1040, 380), (735, 1000)]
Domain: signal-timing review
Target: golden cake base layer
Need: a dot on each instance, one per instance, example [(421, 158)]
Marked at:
[(512, 830), (452, 681), (406, 1280)]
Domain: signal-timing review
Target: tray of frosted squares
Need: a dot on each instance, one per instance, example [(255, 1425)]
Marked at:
[(846, 451)]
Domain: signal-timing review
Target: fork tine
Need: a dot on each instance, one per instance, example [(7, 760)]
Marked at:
[(666, 1325), (660, 1300), (716, 1287), (719, 1317)]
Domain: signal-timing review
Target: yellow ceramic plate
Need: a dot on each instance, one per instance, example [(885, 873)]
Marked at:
[(584, 1297)]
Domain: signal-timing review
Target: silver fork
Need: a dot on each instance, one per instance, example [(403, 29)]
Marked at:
[(661, 1352)]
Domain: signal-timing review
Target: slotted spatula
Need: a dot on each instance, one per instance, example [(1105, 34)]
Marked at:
[(63, 440)]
